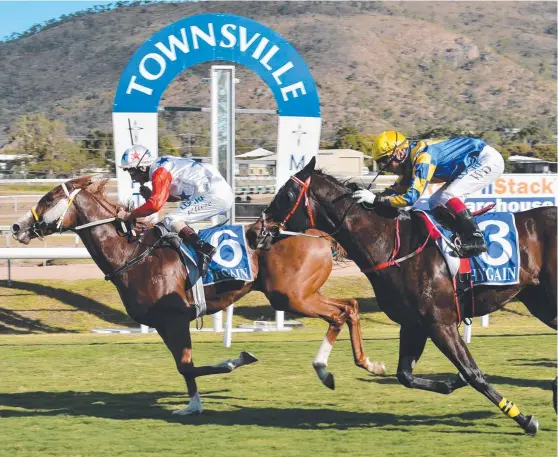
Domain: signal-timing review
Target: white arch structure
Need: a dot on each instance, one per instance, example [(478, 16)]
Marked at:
[(219, 38)]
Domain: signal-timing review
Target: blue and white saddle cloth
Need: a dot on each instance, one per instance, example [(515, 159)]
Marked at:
[(500, 265), (231, 261)]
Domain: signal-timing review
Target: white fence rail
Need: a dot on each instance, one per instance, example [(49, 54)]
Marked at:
[(82, 253)]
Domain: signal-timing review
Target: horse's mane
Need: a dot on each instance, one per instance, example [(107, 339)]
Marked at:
[(350, 187), (98, 188)]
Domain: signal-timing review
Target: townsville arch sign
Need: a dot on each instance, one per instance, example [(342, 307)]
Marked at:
[(225, 38)]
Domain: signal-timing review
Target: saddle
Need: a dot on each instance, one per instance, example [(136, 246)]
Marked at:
[(462, 277)]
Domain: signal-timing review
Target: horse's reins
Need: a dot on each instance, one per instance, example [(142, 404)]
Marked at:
[(277, 231), (61, 228)]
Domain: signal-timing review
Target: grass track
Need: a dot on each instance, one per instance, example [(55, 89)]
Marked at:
[(95, 395)]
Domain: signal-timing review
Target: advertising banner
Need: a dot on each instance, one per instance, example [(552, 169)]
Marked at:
[(511, 193)]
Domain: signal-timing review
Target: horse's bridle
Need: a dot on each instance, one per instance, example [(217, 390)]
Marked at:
[(277, 230), (39, 225)]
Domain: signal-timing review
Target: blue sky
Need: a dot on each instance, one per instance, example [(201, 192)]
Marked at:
[(18, 16)]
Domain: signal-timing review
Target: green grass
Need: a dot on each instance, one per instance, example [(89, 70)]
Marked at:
[(78, 306), (94, 395), (80, 394), (33, 189)]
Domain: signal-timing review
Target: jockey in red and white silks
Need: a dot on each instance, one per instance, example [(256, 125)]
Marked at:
[(199, 187)]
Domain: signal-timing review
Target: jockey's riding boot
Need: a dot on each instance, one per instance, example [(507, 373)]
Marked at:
[(444, 217), (472, 240), (205, 250)]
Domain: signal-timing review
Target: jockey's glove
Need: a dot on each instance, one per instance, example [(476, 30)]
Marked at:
[(364, 196), (125, 216)]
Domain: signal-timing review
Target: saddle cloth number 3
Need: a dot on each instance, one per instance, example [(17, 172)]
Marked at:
[(500, 238)]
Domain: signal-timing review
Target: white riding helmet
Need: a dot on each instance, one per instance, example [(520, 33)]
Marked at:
[(136, 156)]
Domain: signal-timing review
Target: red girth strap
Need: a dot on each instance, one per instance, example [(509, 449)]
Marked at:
[(304, 186), (393, 261)]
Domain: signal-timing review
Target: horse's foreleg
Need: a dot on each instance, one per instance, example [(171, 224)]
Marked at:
[(245, 358), (175, 332), (448, 340), (411, 346)]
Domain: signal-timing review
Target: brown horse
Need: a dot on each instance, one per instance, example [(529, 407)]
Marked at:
[(418, 293), (155, 290)]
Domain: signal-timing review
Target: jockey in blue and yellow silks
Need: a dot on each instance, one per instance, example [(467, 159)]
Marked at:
[(465, 165)]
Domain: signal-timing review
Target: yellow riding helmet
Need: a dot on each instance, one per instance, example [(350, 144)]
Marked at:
[(387, 143)]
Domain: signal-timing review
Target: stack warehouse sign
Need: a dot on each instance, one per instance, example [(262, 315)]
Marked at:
[(219, 37), (511, 193)]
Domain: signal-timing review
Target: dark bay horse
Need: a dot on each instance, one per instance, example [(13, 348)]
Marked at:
[(418, 293), (155, 291)]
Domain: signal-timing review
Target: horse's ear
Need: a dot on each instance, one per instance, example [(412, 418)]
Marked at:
[(309, 168)]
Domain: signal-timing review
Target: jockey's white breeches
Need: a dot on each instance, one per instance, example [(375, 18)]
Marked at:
[(489, 166), (218, 200)]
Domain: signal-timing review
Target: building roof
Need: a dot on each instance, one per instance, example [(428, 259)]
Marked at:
[(260, 152), (524, 159), (10, 157), (349, 152)]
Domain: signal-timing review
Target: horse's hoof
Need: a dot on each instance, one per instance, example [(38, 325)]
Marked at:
[(376, 368), (531, 426), (247, 358), (329, 381), (187, 412)]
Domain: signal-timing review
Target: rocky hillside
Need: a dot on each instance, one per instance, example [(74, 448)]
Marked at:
[(408, 65)]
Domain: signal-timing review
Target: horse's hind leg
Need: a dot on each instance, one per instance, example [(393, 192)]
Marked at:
[(411, 345), (541, 302), (176, 335), (448, 340), (353, 322)]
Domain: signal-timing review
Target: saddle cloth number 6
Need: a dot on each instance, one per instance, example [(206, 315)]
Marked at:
[(233, 244)]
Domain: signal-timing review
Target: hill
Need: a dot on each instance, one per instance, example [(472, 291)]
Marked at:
[(407, 65)]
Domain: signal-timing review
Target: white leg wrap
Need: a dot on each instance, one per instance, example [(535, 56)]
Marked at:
[(323, 353), (194, 407)]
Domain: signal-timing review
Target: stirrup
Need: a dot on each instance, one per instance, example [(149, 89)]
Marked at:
[(203, 263), (467, 250)]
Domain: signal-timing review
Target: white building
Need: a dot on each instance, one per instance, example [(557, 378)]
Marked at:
[(337, 162)]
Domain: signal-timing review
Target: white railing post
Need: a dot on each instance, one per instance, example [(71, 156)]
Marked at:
[(280, 320), (218, 322), (467, 331), (227, 334)]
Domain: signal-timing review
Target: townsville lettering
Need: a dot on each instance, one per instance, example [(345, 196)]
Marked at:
[(189, 40)]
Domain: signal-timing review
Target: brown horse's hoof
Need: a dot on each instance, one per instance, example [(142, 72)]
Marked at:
[(531, 426), (325, 376), (376, 368)]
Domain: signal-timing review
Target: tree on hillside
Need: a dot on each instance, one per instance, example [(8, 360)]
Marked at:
[(167, 147), (97, 147), (438, 132), (53, 152), (349, 138)]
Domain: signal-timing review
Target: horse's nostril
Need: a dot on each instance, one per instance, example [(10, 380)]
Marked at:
[(16, 228)]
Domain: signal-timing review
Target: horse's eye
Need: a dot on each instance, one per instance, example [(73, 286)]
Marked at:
[(291, 196)]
